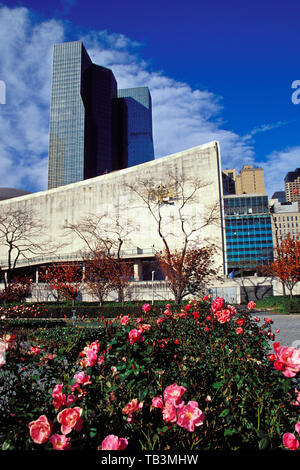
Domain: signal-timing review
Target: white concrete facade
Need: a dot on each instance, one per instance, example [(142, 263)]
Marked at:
[(110, 195)]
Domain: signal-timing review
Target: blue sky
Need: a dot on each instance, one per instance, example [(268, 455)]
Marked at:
[(216, 70)]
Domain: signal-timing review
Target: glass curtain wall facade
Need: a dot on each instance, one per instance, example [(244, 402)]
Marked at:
[(67, 113), (139, 124), (248, 230), (94, 128), (82, 117)]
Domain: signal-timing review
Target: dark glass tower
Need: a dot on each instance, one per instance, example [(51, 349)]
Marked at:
[(92, 131), (139, 124)]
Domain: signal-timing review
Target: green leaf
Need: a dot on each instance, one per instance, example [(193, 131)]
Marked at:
[(224, 413), (5, 446), (263, 443), (230, 432), (217, 385)]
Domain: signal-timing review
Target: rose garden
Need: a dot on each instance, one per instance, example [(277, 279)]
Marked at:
[(199, 376)]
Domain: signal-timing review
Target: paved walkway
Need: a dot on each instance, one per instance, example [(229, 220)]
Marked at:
[(289, 326)]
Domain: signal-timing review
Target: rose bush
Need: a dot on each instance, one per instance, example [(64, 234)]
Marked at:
[(184, 380)]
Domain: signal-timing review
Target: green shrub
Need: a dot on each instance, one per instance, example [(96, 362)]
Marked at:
[(223, 365)]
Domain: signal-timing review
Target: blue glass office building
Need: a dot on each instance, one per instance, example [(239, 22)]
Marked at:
[(248, 232), (139, 124), (92, 130)]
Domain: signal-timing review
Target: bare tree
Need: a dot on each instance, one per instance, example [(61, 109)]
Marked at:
[(182, 193), (20, 233), (104, 237)]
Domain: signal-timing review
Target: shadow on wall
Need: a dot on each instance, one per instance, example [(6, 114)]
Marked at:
[(255, 293)]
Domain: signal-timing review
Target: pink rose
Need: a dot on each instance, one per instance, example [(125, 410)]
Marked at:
[(70, 399), (69, 418), (287, 360), (231, 309), (173, 394), (40, 430), (101, 359), (290, 441), (132, 406), (217, 304), (251, 305), (136, 336), (190, 416), (157, 402), (91, 358), (35, 350), (146, 307), (59, 399), (125, 320), (223, 316), (145, 327), (169, 412), (82, 379), (60, 442), (112, 442), (168, 312), (297, 427), (239, 330), (94, 346), (257, 319)]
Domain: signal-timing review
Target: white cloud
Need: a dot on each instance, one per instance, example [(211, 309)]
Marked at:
[(25, 67), (182, 117), (277, 164), (264, 128)]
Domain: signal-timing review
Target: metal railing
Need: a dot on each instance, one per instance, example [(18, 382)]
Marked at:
[(77, 256)]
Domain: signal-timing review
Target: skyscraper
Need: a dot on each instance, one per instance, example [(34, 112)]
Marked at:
[(92, 131), (139, 128), (292, 186)]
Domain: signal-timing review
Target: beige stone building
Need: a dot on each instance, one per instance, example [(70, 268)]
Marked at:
[(285, 219), (250, 180)]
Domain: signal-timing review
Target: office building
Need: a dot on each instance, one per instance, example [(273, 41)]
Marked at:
[(88, 122), (138, 107), (250, 180), (285, 219), (228, 181), (292, 186), (248, 231)]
